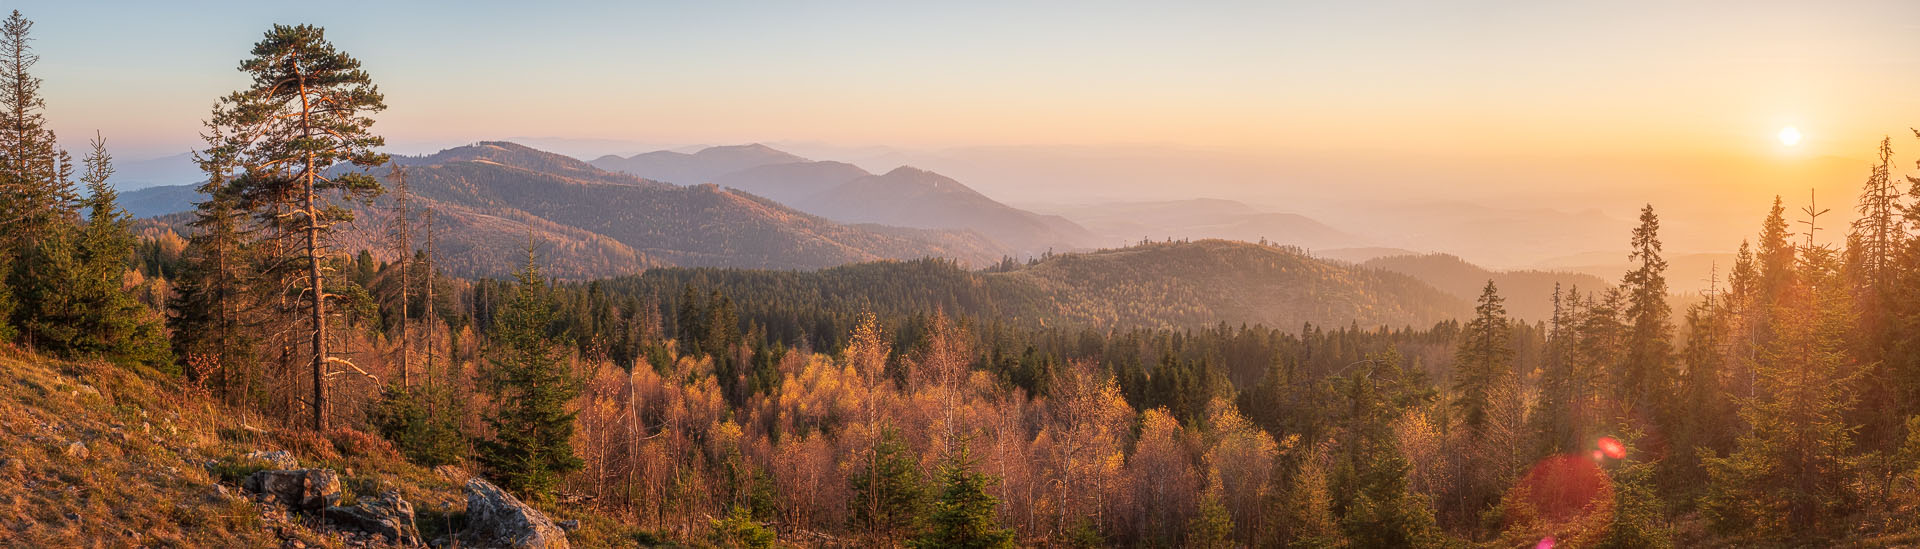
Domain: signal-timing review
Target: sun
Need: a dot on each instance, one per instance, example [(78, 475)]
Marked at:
[(1789, 136)]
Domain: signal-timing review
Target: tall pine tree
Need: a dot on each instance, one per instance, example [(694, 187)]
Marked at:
[(306, 113)]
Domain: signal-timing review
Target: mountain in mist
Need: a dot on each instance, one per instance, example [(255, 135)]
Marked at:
[(1686, 273), (1204, 218), (697, 167), (160, 200), (1361, 255), (907, 197), (903, 197), (1529, 293), (176, 169), (488, 198)]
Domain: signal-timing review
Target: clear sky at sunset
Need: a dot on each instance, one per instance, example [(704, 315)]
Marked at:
[(1436, 77), (1318, 108)]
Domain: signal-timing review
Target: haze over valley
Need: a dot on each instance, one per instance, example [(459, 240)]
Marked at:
[(1374, 274)]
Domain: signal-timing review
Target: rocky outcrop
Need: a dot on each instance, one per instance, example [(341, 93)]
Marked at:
[(280, 459), (497, 519), (298, 489), (387, 516)]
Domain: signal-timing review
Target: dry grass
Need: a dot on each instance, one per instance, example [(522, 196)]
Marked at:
[(162, 464)]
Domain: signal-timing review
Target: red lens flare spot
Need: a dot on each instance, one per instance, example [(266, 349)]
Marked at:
[(1613, 448), (1546, 543), (1597, 456)]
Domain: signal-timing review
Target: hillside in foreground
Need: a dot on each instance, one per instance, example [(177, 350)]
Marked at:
[(97, 456)]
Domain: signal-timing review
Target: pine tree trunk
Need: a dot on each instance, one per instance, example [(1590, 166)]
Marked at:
[(317, 295)]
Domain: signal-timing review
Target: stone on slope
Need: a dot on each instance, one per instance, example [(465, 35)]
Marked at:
[(387, 515), (298, 489), (497, 519)]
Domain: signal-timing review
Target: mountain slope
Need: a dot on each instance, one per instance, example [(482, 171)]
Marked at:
[(911, 197), (490, 198), (691, 226), (904, 197), (695, 168), (792, 182), (159, 200), (1529, 294)]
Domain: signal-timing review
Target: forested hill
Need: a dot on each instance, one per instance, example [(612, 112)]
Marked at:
[(1529, 293), (1154, 285)]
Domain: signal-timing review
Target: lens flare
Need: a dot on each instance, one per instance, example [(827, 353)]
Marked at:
[(1545, 543), (1612, 448)]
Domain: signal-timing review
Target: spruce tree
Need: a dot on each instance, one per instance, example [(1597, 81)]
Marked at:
[(1370, 480), (963, 513), (423, 422), (1903, 348), (1552, 414), (306, 114), (209, 310), (1635, 522), (1483, 362), (1787, 477), (1211, 526), (1644, 382), (112, 323), (1873, 255), (37, 194), (531, 445), (38, 200), (887, 496), (1707, 419), (77, 305)]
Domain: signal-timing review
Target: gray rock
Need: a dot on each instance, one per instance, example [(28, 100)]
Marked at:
[(387, 516), (568, 526), (300, 489), (279, 458), (497, 519), (77, 449)]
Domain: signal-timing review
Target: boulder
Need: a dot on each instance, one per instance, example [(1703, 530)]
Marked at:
[(497, 519), (298, 489), (388, 516), (77, 449), (279, 458)]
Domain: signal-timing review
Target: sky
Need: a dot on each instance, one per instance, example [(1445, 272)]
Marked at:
[(1578, 101)]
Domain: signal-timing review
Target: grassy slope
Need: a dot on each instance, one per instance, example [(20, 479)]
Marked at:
[(162, 466)]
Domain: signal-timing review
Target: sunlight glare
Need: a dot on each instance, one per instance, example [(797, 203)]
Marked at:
[(1789, 136)]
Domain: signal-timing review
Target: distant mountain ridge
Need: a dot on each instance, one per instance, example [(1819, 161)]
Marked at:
[(490, 197), (903, 197), (1204, 218), (697, 167)]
